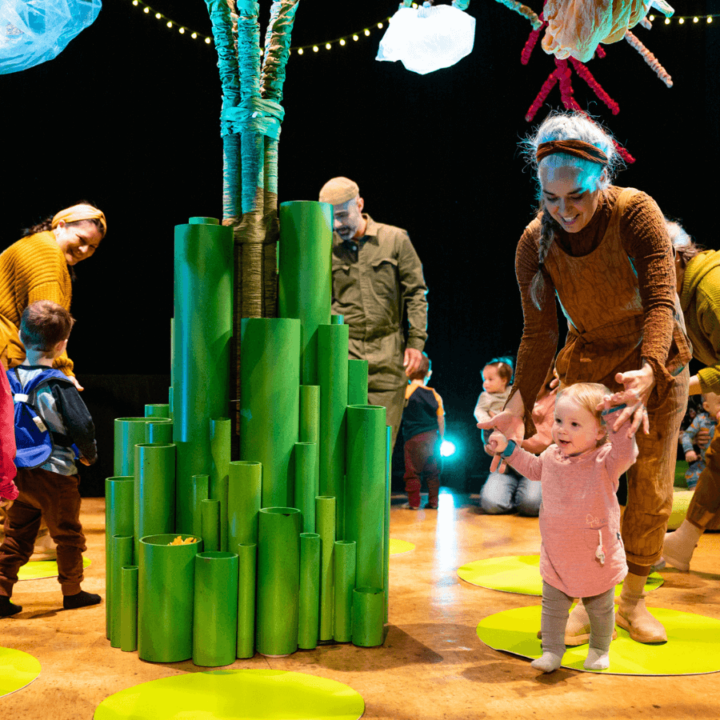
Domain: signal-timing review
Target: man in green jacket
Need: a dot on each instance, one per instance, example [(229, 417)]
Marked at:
[(377, 278)]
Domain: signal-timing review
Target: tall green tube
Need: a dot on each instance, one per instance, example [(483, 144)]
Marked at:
[(166, 590), (333, 380), (386, 546), (310, 413), (121, 554), (161, 410), (220, 439), (357, 382), (367, 617), (325, 527), (345, 557), (216, 608), (201, 348), (129, 431), (309, 605), (244, 501), (366, 481), (154, 491), (210, 524), (158, 431), (305, 274), (247, 575), (270, 414), (278, 580), (119, 520), (306, 482), (129, 609), (199, 491)]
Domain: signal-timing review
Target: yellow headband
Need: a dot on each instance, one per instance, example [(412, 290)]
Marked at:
[(78, 213)]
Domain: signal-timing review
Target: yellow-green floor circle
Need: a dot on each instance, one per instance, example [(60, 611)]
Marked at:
[(400, 546), (17, 669), (520, 574), (693, 645), (235, 695), (39, 569)]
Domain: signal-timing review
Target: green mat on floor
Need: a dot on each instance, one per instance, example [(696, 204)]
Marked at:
[(17, 669), (38, 569)]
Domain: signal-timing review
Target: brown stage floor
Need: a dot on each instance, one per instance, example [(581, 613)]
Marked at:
[(432, 665)]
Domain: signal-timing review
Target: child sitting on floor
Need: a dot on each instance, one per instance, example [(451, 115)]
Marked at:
[(582, 554), (705, 419)]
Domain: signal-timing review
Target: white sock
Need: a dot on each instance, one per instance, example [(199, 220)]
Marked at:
[(597, 659), (549, 662)]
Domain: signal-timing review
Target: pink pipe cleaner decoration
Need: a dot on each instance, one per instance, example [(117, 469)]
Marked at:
[(600, 52), (649, 58), (532, 42), (548, 85), (564, 75), (586, 75)]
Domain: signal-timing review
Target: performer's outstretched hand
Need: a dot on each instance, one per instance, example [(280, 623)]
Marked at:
[(508, 425), (638, 386)]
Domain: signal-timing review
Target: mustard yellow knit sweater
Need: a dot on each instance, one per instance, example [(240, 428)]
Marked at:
[(31, 269)]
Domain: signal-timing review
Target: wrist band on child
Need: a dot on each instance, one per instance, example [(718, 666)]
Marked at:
[(509, 449)]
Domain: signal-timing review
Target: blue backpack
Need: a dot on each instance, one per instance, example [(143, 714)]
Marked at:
[(33, 439)]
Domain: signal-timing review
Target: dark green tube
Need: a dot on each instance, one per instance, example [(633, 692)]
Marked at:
[(325, 527), (386, 545), (310, 413), (220, 438), (119, 520), (166, 589), (345, 557), (199, 491), (309, 605), (367, 616), (270, 414), (216, 608), (305, 274), (154, 491), (357, 382), (160, 410), (365, 487), (128, 611), (210, 524), (278, 580), (337, 319), (129, 432), (201, 348), (121, 554), (158, 431), (247, 574), (244, 501), (306, 482), (333, 379)]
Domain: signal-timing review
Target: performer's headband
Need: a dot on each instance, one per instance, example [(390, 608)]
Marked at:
[(78, 213), (576, 148)]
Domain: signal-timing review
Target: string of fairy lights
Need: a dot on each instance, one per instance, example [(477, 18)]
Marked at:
[(347, 40)]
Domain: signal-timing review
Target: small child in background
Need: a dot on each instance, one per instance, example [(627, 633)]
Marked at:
[(424, 429), (497, 376), (704, 419), (582, 554)]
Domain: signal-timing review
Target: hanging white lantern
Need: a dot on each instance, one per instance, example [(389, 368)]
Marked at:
[(428, 38)]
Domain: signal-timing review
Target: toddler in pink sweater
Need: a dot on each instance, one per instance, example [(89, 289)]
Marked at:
[(582, 553)]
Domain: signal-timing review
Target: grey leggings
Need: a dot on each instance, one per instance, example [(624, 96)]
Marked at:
[(555, 607)]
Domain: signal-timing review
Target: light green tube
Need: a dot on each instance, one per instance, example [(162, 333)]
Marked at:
[(333, 379), (325, 527), (128, 611), (158, 431), (210, 524), (386, 546), (202, 337), (244, 501), (270, 413), (310, 413), (345, 556), (278, 580), (121, 554), (305, 274), (306, 482), (199, 491), (247, 566), (366, 481), (216, 607), (119, 520), (220, 439), (309, 605), (154, 491), (129, 432), (160, 410), (367, 616), (357, 382)]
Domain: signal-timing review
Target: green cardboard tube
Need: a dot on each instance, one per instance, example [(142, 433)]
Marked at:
[(367, 616), (129, 432), (166, 591), (278, 580), (305, 274), (310, 413), (200, 490), (160, 410), (220, 439), (386, 546), (325, 527), (154, 491), (128, 611), (215, 608), (210, 524), (337, 319), (158, 431), (202, 338), (345, 556), (333, 380), (170, 399), (247, 574), (270, 413), (119, 520), (121, 554), (306, 482), (357, 382), (309, 605), (244, 501), (365, 487)]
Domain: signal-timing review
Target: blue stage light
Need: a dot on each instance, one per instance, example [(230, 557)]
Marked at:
[(447, 448)]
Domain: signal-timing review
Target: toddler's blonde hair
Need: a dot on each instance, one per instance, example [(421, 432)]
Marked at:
[(587, 396)]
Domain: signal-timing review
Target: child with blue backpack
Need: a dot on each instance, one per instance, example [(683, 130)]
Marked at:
[(50, 419)]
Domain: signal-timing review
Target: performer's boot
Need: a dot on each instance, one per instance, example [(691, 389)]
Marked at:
[(577, 630), (679, 545), (633, 616)]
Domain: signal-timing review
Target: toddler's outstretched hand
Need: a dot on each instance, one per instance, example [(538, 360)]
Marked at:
[(506, 425)]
